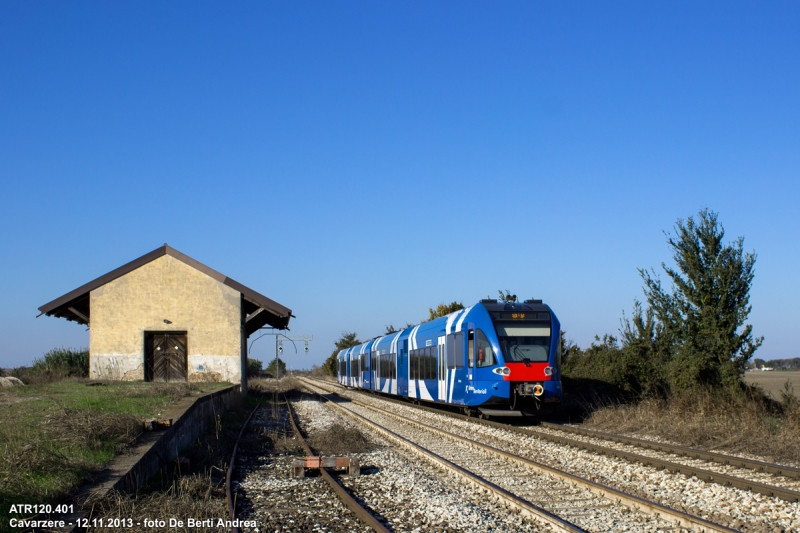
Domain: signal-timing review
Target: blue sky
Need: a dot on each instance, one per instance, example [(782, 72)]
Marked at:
[(360, 162)]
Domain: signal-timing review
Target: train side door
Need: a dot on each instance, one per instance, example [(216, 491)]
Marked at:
[(455, 368), (442, 370), (373, 370)]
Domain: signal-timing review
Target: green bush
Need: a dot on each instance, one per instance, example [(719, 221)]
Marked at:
[(65, 361), (276, 367), (616, 370), (254, 367), (57, 364)]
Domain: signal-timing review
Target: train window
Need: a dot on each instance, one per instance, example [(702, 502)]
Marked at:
[(524, 342), (422, 363), (451, 351), (471, 348), (485, 354), (459, 342), (387, 365)]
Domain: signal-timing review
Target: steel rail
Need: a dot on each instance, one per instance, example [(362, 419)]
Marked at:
[(680, 518), (228, 494), (693, 453), (708, 476), (361, 512), (525, 507)]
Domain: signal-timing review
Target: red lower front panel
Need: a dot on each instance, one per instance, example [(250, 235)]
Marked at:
[(531, 372)]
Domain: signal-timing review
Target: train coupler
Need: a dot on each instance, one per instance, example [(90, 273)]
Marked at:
[(299, 466)]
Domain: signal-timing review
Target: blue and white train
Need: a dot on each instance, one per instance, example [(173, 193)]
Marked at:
[(492, 358)]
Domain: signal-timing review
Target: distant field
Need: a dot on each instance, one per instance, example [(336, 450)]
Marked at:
[(772, 382)]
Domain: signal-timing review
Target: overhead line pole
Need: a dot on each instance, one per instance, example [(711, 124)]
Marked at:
[(273, 331)]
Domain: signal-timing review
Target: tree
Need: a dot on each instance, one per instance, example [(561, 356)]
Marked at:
[(443, 310), (390, 329), (507, 297), (568, 347), (645, 352), (254, 367), (703, 317), (347, 340), (276, 367)]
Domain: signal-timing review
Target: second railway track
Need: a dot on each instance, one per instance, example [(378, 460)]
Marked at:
[(726, 505), (580, 502), (769, 479)]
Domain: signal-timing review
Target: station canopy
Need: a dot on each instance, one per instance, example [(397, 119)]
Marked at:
[(259, 309)]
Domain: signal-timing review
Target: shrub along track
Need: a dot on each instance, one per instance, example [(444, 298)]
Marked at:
[(744, 510), (567, 501)]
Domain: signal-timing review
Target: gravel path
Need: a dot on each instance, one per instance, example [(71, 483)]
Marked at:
[(732, 507)]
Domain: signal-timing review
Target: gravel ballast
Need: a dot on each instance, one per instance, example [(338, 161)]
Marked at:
[(727, 506)]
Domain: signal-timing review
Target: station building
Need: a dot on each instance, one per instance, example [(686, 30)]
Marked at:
[(168, 317)]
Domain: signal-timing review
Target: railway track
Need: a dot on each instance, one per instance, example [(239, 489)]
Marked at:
[(770, 479), (402, 493), (724, 459), (265, 491), (726, 505), (563, 501), (360, 511)]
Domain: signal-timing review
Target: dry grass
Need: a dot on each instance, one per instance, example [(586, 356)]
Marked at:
[(704, 420), (339, 440), (86, 428), (271, 386), (196, 496)]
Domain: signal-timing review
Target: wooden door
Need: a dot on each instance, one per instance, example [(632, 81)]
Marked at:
[(165, 356)]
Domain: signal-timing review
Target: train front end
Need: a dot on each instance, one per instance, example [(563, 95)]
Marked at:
[(528, 338)]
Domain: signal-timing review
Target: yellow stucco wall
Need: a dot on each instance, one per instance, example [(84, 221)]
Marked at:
[(166, 288)]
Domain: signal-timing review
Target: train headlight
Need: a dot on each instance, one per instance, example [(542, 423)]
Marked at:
[(502, 371), (548, 371)]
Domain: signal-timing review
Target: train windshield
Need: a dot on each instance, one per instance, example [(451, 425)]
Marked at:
[(524, 342)]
